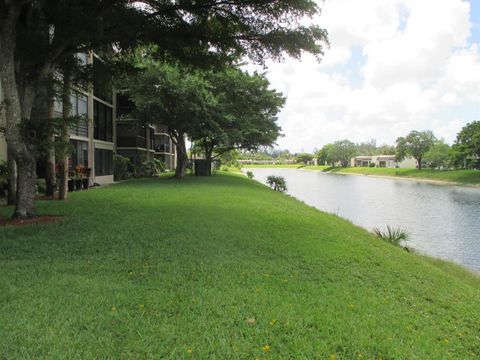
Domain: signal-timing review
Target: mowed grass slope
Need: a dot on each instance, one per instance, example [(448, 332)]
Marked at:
[(221, 268)]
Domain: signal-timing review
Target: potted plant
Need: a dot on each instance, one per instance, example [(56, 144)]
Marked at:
[(78, 175), (71, 181), (86, 177)]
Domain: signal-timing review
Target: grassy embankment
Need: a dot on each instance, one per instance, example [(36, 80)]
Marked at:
[(222, 268)]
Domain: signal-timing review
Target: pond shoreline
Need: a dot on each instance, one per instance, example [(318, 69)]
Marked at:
[(423, 180), (441, 216)]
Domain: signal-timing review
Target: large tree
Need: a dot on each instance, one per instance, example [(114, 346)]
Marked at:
[(324, 155), (242, 116), (342, 152), (438, 155), (220, 111), (467, 144), (415, 144), (36, 34), (171, 95)]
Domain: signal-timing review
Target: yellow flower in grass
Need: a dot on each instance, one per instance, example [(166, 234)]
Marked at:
[(445, 341), (114, 309), (333, 357), (142, 306), (266, 348), (273, 322), (189, 350)]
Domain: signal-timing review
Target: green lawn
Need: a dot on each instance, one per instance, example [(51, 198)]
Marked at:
[(222, 268)]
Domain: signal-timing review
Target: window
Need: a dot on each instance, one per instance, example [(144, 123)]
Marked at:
[(102, 81), (103, 162), (79, 108), (162, 143), (103, 122), (151, 145), (79, 154), (124, 106)]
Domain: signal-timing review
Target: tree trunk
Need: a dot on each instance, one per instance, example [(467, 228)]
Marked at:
[(27, 178), (181, 157), (64, 135), (208, 160), (12, 179), (50, 179), (63, 168), (19, 143), (419, 162)]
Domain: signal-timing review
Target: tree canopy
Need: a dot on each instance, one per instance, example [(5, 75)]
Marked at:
[(220, 111), (467, 143), (243, 115), (415, 144), (304, 158), (438, 155)]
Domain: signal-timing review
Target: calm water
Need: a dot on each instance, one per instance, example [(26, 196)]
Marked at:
[(443, 221)]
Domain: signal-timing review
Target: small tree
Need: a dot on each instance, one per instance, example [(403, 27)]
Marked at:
[(278, 183), (415, 144)]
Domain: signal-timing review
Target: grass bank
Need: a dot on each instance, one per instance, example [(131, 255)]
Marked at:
[(466, 177), (222, 268)]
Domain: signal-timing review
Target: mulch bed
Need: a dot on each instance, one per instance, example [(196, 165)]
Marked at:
[(44, 219)]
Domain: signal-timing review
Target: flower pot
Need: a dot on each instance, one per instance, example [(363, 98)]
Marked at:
[(85, 183), (78, 184), (71, 185)]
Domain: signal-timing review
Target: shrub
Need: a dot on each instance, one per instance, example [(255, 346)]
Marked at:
[(278, 183), (40, 186), (121, 167), (372, 165), (151, 168), (394, 236), (250, 174)]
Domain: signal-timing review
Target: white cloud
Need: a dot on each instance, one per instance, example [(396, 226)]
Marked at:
[(417, 72)]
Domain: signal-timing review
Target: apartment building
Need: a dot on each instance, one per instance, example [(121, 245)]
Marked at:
[(92, 140), (383, 161), (141, 142)]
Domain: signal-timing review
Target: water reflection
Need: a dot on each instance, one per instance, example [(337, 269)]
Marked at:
[(443, 221)]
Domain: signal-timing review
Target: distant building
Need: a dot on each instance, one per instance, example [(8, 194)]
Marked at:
[(383, 161)]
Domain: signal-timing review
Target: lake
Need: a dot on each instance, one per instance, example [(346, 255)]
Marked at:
[(442, 220)]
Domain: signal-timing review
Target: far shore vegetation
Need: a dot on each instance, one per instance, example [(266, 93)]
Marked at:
[(435, 160), (462, 176)]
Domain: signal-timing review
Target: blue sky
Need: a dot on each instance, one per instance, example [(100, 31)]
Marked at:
[(393, 66)]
